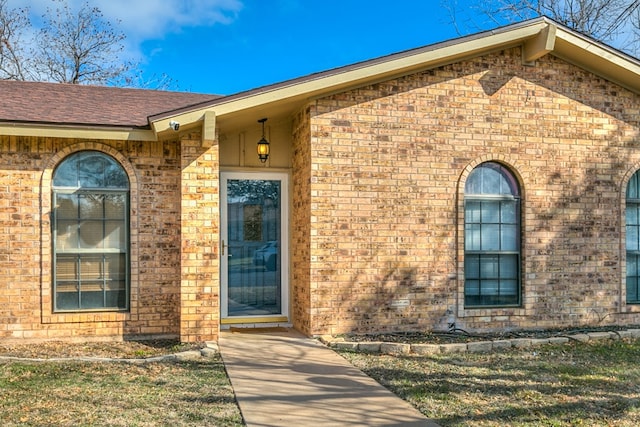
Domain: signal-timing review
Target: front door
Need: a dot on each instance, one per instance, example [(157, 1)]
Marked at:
[(253, 247)]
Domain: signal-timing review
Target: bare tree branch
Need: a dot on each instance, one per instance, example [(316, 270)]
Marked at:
[(14, 63), (616, 22), (80, 47)]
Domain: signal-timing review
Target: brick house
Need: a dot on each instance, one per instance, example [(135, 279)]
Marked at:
[(488, 182)]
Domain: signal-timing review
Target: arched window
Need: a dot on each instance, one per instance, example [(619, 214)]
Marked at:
[(90, 220), (491, 237), (632, 221)]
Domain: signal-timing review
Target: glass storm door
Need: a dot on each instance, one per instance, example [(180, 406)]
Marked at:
[(253, 247)]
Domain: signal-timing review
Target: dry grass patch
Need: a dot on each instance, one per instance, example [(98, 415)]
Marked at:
[(565, 385), (72, 393)]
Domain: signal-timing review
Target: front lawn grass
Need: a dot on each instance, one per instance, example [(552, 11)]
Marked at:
[(577, 384), (116, 394)]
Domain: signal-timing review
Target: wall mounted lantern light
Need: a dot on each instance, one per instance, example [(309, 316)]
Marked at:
[(263, 145)]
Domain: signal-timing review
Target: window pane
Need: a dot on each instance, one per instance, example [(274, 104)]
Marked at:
[(114, 235), (66, 175), (632, 278), (509, 266), (91, 171), (632, 289), (632, 187), (472, 266), (490, 236), (508, 212), (66, 268), (508, 287), (632, 238), (491, 181), (632, 265), (91, 268), (114, 206), (93, 297), (472, 212), (90, 206), (91, 234), (67, 206), (490, 287), (474, 182), (67, 300), (491, 212), (509, 238), (116, 298), (494, 237), (632, 214), (472, 287), (86, 223), (115, 267), (115, 176), (67, 235), (489, 267), (472, 237)]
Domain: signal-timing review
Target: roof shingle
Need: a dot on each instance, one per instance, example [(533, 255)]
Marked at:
[(60, 103)]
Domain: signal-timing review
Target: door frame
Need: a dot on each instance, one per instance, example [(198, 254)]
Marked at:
[(283, 177)]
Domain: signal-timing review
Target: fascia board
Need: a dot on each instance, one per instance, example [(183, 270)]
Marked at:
[(54, 131), (599, 59)]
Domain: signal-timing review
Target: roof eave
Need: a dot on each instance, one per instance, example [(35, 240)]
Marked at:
[(538, 37), (80, 131), (598, 58), (296, 91)]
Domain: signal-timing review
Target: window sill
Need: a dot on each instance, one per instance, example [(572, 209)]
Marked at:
[(492, 311), (86, 317)]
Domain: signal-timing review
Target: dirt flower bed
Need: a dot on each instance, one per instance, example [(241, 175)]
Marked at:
[(462, 336)]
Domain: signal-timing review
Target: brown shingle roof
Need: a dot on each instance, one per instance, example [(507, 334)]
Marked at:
[(59, 103)]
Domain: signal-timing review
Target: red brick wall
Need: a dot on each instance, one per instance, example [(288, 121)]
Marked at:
[(200, 233), (301, 289), (388, 167), (26, 167)]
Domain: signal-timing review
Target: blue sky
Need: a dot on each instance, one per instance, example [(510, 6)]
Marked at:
[(227, 46), (271, 41)]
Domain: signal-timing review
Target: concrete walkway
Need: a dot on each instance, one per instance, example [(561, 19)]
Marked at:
[(282, 378)]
